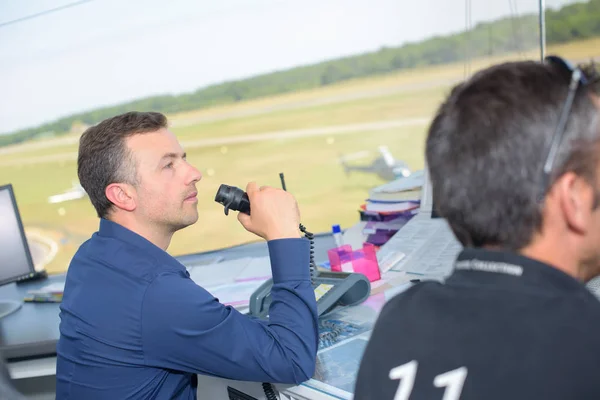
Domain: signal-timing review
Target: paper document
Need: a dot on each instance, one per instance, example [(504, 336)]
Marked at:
[(233, 281), (220, 273), (235, 294), (343, 336), (387, 261), (354, 235), (429, 269), (258, 268), (204, 261), (338, 366)]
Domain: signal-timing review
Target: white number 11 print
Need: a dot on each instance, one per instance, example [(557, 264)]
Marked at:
[(452, 380)]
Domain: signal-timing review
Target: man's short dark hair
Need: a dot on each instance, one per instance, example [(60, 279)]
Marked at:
[(103, 157), (488, 142)]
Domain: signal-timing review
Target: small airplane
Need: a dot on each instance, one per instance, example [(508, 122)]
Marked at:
[(385, 166), (76, 192)]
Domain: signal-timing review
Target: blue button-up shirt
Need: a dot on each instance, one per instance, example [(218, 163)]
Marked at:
[(135, 326)]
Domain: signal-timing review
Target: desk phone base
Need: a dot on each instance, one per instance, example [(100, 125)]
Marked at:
[(332, 289)]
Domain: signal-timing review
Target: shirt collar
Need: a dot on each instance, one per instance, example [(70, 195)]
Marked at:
[(482, 266), (114, 230)]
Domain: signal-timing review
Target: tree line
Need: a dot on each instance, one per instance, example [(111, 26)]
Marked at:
[(510, 34)]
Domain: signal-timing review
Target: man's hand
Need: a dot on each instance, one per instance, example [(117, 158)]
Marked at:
[(274, 213)]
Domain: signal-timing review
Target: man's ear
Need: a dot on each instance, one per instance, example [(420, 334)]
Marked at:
[(122, 196), (576, 197)]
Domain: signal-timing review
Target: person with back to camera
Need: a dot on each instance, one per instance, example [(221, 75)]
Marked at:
[(513, 155), (133, 324)]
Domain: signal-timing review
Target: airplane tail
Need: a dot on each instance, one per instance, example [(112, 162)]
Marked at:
[(346, 167), (387, 156)]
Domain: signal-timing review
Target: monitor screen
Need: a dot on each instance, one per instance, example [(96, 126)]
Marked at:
[(15, 258)]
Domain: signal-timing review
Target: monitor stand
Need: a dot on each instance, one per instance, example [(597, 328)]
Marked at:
[(8, 307)]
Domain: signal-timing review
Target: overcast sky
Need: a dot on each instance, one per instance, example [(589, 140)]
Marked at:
[(105, 52)]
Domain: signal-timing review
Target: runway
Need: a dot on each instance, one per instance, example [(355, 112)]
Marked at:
[(256, 137), (42, 249)]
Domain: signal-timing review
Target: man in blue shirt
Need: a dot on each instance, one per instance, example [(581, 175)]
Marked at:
[(133, 323)]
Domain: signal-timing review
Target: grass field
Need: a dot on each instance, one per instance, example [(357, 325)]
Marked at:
[(325, 194)]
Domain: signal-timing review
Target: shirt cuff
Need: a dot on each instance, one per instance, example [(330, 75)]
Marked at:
[(290, 259)]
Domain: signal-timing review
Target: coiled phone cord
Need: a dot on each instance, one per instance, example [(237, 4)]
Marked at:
[(312, 265), (267, 387), (309, 236), (269, 392)]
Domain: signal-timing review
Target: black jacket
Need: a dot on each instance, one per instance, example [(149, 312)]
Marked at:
[(502, 326)]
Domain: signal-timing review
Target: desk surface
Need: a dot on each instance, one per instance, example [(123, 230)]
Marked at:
[(29, 336), (32, 331)]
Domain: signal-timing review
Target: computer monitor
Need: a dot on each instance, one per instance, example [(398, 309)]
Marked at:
[(16, 262)]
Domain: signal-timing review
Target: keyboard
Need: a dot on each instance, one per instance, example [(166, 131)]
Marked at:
[(423, 246), (435, 257), (428, 247)]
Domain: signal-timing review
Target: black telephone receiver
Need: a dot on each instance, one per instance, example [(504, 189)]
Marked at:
[(331, 288)]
